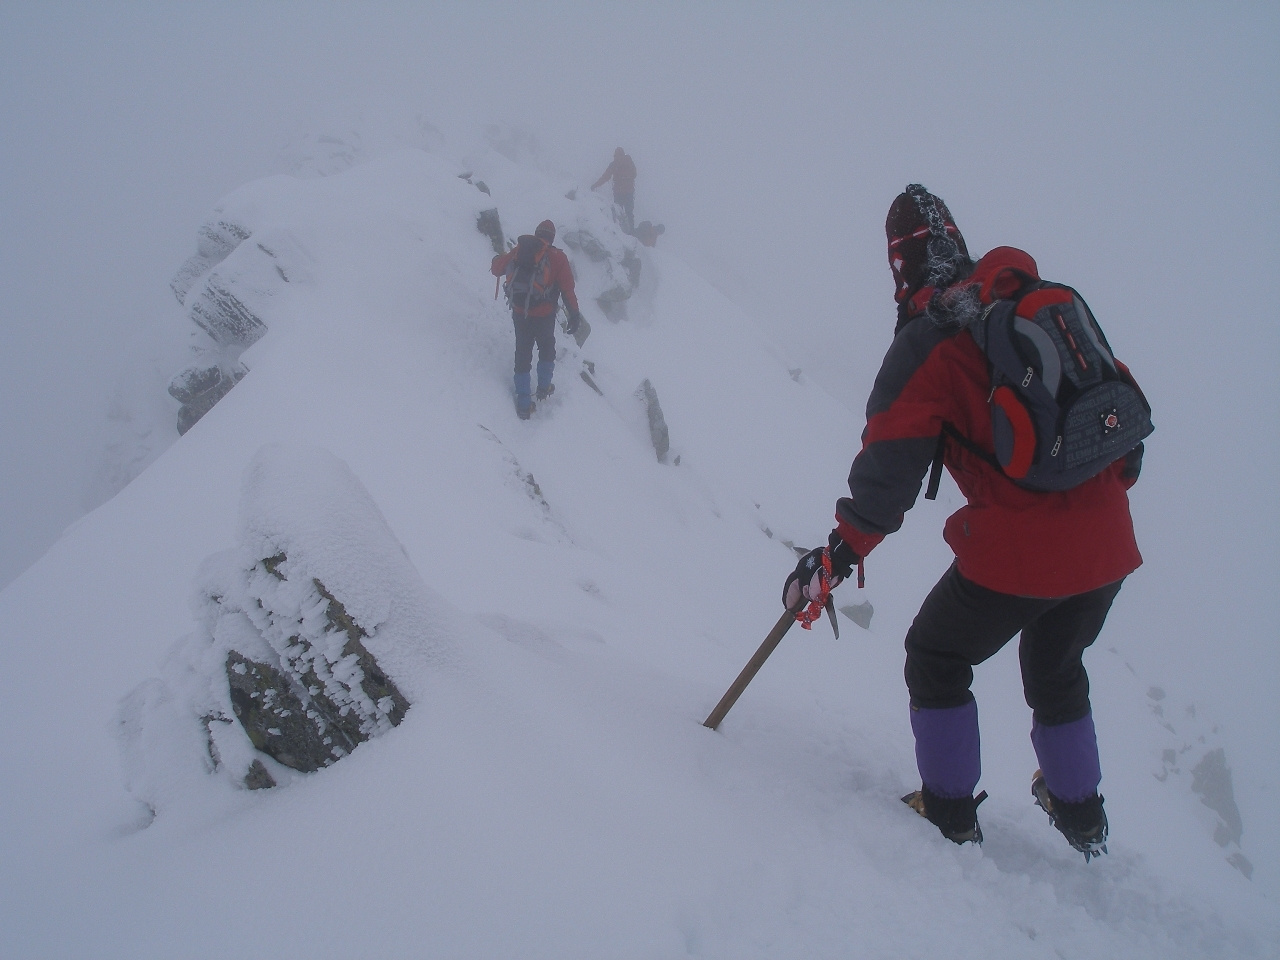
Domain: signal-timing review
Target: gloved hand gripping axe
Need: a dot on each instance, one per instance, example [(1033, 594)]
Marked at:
[(818, 601)]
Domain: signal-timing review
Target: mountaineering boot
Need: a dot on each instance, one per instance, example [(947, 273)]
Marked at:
[(545, 387), (524, 403), (955, 817), (1084, 824)]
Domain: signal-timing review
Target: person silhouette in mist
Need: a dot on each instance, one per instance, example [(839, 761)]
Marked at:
[(534, 315), (1047, 565), (622, 171)]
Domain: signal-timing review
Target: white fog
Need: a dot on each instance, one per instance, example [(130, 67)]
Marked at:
[(1130, 148)]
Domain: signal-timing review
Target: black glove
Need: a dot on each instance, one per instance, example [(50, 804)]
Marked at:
[(843, 557), (571, 325), (804, 583)]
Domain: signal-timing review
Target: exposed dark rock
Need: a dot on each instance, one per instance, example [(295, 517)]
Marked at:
[(275, 719), (377, 686), (215, 241), (1211, 779), (191, 411), (586, 242), (489, 224), (631, 263), (658, 433), (258, 778), (224, 288), (607, 268), (521, 474), (1241, 863), (587, 374), (312, 706), (194, 381), (222, 315), (217, 238)]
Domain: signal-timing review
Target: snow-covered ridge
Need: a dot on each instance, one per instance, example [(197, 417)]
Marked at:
[(561, 610)]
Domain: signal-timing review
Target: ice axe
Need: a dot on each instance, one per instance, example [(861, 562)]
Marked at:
[(757, 661)]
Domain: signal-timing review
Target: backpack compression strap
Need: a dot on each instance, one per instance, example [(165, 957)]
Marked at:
[(935, 470)]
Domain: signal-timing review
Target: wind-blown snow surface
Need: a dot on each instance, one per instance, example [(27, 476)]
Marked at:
[(551, 792)]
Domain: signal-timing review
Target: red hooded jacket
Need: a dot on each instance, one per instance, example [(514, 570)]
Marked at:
[(623, 172), (1006, 538)]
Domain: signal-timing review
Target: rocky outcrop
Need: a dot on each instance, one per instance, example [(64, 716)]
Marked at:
[(323, 693), (214, 242), (658, 433), (224, 316), (607, 266), (224, 288), (490, 225), (308, 632), (199, 386)]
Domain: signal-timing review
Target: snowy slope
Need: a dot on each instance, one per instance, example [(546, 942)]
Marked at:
[(551, 792)]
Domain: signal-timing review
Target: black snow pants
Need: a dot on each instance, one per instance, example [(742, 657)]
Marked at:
[(961, 624), (531, 330)]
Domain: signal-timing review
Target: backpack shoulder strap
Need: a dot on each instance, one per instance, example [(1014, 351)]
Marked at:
[(939, 452)]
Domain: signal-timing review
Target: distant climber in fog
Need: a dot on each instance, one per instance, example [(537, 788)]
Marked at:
[(623, 173)]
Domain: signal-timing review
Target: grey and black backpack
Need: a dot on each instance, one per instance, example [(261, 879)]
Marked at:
[(1062, 409)]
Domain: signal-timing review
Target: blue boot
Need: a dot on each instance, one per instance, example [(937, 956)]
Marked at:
[(545, 387), (524, 402)]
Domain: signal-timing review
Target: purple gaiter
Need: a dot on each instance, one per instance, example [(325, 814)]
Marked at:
[(1068, 755), (948, 753)]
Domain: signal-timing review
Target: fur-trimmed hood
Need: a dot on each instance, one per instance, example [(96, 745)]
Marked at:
[(1000, 274)]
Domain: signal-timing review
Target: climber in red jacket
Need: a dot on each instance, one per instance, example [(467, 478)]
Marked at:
[(538, 276), (1044, 564)]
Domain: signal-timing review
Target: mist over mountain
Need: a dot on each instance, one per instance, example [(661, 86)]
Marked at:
[(361, 634), (588, 603)]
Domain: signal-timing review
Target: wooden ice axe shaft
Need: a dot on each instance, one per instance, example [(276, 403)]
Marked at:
[(750, 670)]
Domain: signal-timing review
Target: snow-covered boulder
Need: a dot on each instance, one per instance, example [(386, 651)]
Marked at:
[(606, 261), (314, 632)]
